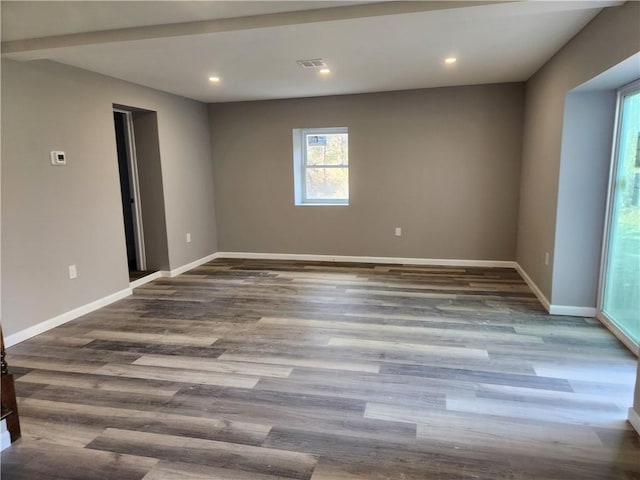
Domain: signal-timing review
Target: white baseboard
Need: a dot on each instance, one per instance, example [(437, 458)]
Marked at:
[(359, 259), (634, 419), (567, 310), (146, 279), (572, 311), (185, 268), (90, 307), (42, 327), (538, 293)]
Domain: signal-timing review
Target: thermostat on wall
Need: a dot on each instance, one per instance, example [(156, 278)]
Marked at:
[(58, 158)]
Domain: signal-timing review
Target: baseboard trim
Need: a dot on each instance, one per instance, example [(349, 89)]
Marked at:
[(63, 318), (572, 311), (534, 288), (185, 268), (42, 327), (90, 307), (634, 420), (361, 259), (149, 278), (566, 310)]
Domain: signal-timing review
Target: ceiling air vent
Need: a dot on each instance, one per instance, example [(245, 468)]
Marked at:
[(313, 63)]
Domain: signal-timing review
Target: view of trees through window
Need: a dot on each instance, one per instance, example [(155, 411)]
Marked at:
[(327, 166), (622, 274)]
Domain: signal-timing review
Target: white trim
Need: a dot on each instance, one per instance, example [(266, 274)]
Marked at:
[(185, 268), (552, 309), (90, 307), (134, 186), (146, 279), (604, 253), (568, 310), (631, 88), (634, 419), (42, 327), (359, 259), (63, 318), (538, 293), (138, 226), (572, 311), (300, 167), (619, 334)]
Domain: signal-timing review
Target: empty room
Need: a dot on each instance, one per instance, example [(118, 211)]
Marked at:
[(320, 240)]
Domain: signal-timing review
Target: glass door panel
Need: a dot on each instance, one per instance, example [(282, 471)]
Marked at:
[(621, 295)]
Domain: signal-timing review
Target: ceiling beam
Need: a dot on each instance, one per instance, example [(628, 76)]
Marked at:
[(13, 49)]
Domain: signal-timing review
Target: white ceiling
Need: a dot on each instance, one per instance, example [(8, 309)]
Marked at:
[(32, 19), (369, 47)]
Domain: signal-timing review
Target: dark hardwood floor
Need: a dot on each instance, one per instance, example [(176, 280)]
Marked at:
[(138, 274), (264, 370)]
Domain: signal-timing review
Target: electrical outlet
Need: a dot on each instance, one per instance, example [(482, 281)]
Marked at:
[(546, 258), (188, 238), (73, 272), (398, 232)]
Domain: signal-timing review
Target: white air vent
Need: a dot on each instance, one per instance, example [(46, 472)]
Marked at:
[(313, 63)]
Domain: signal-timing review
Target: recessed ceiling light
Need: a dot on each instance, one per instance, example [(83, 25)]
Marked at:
[(450, 60), (325, 71), (214, 79)]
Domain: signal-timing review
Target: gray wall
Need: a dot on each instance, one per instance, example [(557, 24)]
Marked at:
[(606, 41), (587, 135), (56, 216), (443, 164)]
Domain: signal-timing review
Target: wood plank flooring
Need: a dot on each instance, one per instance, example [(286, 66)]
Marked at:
[(265, 370)]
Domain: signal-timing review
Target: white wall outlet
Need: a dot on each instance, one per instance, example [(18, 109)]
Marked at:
[(73, 272), (546, 258), (58, 158), (398, 232), (188, 238)]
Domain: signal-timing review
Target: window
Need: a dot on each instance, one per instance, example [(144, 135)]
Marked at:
[(321, 166)]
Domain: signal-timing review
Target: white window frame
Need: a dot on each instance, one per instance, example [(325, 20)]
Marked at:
[(604, 254), (300, 166)]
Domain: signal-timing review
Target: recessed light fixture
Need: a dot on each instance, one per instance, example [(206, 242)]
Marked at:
[(325, 71), (450, 60), (214, 79)]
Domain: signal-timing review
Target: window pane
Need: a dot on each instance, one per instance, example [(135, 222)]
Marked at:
[(328, 149), (327, 183)]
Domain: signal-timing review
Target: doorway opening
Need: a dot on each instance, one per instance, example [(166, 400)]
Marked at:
[(130, 194)]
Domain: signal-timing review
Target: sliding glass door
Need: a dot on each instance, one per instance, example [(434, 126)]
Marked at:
[(620, 299)]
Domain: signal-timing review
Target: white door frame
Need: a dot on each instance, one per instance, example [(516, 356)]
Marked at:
[(132, 165), (613, 171)]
